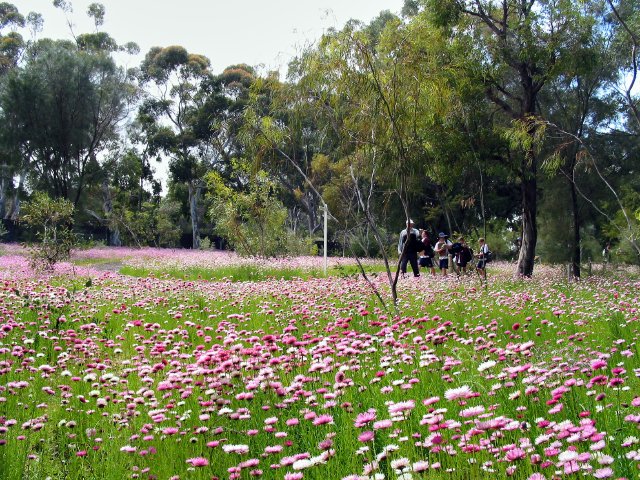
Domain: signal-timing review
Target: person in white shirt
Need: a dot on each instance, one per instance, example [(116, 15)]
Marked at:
[(482, 255), (442, 250)]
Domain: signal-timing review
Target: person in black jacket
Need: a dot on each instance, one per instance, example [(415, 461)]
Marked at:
[(463, 256), (408, 248), (427, 253)]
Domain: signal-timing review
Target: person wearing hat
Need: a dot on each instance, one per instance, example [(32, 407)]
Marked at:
[(408, 248), (442, 250)]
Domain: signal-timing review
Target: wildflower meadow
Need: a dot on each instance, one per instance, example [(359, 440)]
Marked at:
[(168, 372)]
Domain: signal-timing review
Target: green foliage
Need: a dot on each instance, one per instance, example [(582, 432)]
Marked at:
[(52, 221), (60, 110), (97, 12), (626, 252), (99, 41), (167, 229), (205, 243), (625, 231), (252, 221), (555, 238), (3, 232), (361, 243), (501, 237), (526, 134), (160, 63), (299, 245), (443, 13), (12, 43), (590, 246)]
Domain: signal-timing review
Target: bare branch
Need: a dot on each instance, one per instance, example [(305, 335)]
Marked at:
[(635, 43)]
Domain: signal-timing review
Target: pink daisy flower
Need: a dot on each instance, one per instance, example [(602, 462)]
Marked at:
[(401, 407), (363, 418), (515, 454), (472, 411), (198, 462), (382, 424), (323, 419), (603, 473), (457, 393), (420, 466)]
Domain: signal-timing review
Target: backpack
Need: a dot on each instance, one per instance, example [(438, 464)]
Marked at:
[(467, 254), (487, 255), (455, 248)]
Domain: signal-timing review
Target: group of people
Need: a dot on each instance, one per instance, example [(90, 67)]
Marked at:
[(415, 249)]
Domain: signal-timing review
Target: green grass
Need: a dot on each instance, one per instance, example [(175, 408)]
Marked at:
[(88, 262), (245, 273)]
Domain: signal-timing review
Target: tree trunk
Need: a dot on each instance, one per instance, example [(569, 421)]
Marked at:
[(4, 181), (3, 199), (312, 213), (445, 211), (575, 261), (529, 228), (14, 213), (107, 207), (194, 196)]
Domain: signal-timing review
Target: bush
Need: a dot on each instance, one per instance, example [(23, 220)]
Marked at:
[(297, 245), (501, 239), (254, 221), (52, 221), (205, 243), (167, 230), (362, 243)]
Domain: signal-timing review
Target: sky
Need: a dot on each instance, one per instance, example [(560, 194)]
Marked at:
[(266, 33)]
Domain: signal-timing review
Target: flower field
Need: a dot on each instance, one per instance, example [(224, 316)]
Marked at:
[(107, 376)]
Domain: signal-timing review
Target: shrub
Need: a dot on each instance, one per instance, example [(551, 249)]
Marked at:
[(252, 221), (52, 221), (205, 243)]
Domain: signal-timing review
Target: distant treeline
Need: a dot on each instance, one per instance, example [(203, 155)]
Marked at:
[(516, 121)]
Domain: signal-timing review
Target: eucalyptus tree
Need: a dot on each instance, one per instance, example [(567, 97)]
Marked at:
[(227, 96), (169, 118), (11, 43), (590, 117), (282, 133), (11, 47), (518, 47), (383, 92), (60, 109), (624, 18), (576, 109)]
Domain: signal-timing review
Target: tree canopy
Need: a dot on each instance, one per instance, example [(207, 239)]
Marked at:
[(469, 116)]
